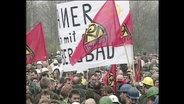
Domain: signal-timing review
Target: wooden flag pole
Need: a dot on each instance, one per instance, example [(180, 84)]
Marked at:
[(87, 78), (129, 67)]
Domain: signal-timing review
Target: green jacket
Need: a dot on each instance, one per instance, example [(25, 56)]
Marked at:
[(33, 88), (63, 102)]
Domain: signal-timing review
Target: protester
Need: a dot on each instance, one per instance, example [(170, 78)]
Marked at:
[(151, 94), (90, 101), (133, 95), (39, 67), (65, 90), (105, 100), (87, 87), (74, 96), (147, 83), (114, 99)]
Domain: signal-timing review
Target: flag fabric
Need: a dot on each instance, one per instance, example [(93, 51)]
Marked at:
[(35, 45), (127, 30), (105, 30), (138, 71), (110, 78)]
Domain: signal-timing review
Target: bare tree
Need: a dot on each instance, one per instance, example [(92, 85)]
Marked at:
[(45, 12), (145, 25)]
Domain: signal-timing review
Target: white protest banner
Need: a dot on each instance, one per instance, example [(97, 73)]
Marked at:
[(73, 19)]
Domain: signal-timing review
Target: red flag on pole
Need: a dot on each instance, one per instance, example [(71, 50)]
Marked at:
[(127, 30), (35, 45), (104, 31), (110, 78), (138, 71)]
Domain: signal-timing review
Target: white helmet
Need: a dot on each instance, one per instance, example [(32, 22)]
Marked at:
[(39, 63), (58, 52), (55, 62), (114, 99), (44, 69), (75, 103)]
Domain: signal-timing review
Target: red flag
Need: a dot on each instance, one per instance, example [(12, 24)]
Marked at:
[(127, 30), (138, 71), (104, 31), (110, 78), (35, 42)]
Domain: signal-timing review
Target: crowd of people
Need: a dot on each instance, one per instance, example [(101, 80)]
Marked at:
[(47, 83)]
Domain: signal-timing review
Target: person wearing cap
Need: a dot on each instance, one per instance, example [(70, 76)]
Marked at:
[(45, 70), (124, 88), (39, 67), (105, 100), (114, 99), (44, 73), (54, 64), (123, 98), (151, 94), (147, 83), (123, 93), (46, 65), (133, 95)]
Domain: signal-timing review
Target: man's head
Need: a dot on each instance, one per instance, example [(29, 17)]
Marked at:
[(65, 90), (147, 83), (155, 78), (76, 80), (90, 101), (28, 67), (119, 78), (74, 96), (34, 74), (68, 81), (133, 95), (93, 79), (45, 83), (97, 85), (39, 65), (99, 74)]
